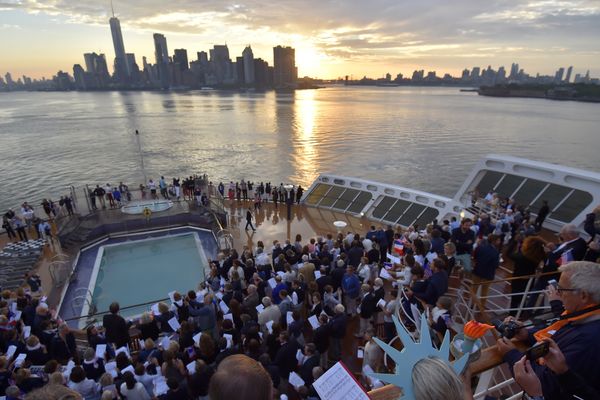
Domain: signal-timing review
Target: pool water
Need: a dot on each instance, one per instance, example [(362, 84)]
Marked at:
[(145, 270)]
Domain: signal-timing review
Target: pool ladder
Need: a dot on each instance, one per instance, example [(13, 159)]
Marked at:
[(80, 298)]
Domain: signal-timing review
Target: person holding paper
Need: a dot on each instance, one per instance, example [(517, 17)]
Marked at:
[(172, 367), (437, 284), (271, 312), (164, 317), (390, 309), (93, 367), (36, 352), (310, 361), (148, 327), (83, 385), (63, 345)]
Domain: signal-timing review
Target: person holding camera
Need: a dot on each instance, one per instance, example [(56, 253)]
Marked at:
[(576, 333), (569, 381)]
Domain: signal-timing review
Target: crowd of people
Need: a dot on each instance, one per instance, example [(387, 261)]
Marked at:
[(270, 320), (19, 225)]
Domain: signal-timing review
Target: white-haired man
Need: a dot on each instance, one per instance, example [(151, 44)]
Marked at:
[(577, 333)]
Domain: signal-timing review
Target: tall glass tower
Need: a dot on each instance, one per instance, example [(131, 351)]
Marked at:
[(122, 69)]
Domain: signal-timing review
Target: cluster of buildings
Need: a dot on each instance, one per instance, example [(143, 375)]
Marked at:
[(481, 77), (176, 71)]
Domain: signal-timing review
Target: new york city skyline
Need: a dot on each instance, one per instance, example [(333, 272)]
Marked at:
[(331, 40)]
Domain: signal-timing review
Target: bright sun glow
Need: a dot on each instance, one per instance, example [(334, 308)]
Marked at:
[(308, 60)]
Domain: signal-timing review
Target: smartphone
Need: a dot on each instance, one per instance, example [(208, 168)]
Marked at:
[(537, 351), (553, 283)]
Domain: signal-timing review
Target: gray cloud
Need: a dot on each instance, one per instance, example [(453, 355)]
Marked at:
[(350, 29)]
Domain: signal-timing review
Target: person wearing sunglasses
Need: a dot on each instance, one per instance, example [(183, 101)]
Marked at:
[(576, 332)]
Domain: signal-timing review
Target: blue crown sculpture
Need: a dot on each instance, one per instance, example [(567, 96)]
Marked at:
[(412, 353)]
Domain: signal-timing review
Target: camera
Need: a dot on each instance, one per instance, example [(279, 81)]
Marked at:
[(507, 329)]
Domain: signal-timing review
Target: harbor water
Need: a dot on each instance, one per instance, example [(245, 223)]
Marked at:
[(421, 138)]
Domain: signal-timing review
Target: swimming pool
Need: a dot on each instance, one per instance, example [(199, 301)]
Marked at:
[(144, 270)]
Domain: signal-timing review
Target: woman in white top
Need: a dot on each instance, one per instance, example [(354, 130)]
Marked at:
[(132, 389), (87, 388), (364, 270)]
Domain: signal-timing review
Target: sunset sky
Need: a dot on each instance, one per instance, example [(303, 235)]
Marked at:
[(332, 37)]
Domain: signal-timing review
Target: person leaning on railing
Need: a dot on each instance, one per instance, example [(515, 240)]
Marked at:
[(576, 333)]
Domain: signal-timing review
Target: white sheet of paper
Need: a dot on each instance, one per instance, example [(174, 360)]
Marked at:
[(129, 368), (337, 384), (295, 380), (259, 308), (317, 274), (20, 359), (67, 370), (269, 326), (394, 259), (228, 316), (142, 344), (191, 367), (222, 282), (272, 283), (11, 351), (219, 295), (223, 307), (171, 296), (165, 342), (381, 303), (43, 299), (197, 337), (281, 274), (154, 309), (385, 274), (111, 368), (123, 350), (17, 315), (299, 356), (360, 353), (289, 317), (100, 350), (200, 296), (160, 385), (13, 306), (314, 322), (229, 339), (26, 331), (174, 324)]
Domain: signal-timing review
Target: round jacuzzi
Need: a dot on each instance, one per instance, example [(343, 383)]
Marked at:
[(138, 207)]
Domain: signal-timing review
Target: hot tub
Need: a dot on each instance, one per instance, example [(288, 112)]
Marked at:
[(138, 207)]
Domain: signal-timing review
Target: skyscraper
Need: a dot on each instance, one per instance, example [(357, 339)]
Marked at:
[(161, 53), (569, 72), (221, 63), (122, 70), (180, 57), (285, 71), (249, 75), (558, 76)]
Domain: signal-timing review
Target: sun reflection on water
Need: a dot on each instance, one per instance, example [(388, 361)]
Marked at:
[(304, 141)]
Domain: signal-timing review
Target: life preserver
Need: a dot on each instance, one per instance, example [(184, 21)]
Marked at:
[(147, 212)]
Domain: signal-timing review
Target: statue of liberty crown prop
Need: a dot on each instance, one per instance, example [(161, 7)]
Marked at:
[(412, 353)]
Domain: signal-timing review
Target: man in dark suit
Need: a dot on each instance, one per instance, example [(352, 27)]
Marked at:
[(285, 359), (311, 360), (368, 306), (321, 339), (117, 330)]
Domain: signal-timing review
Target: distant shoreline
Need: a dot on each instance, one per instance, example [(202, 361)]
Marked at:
[(570, 92)]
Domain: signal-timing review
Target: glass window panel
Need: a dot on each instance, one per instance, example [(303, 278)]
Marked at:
[(382, 208), (360, 202), (577, 201), (397, 210), (345, 199), (317, 193), (553, 194), (509, 184), (427, 217), (331, 196), (411, 214), (488, 182), (529, 191)]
